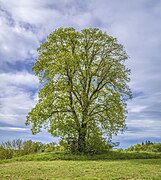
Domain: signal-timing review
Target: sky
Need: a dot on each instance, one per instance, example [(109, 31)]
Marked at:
[(25, 24)]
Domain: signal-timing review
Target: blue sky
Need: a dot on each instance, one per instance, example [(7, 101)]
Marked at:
[(25, 24)]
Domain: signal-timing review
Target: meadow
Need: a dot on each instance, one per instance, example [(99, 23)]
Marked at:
[(111, 165)]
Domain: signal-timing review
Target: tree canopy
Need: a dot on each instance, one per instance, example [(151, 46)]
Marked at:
[(84, 86)]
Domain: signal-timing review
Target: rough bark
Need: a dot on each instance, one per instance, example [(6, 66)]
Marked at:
[(82, 138)]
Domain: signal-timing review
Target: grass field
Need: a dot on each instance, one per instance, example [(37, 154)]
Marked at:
[(111, 165), (61, 169)]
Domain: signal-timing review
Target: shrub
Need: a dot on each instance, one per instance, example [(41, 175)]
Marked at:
[(147, 146), (30, 147), (5, 153)]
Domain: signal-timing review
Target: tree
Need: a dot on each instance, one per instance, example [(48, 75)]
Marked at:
[(16, 144), (30, 147), (84, 86)]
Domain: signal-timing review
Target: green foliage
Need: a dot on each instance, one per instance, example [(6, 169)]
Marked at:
[(30, 147), (5, 153), (95, 144), (49, 147), (10, 149), (19, 147), (147, 146), (84, 89), (30, 150)]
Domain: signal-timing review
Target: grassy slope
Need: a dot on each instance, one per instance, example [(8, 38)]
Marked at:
[(111, 155), (105, 166)]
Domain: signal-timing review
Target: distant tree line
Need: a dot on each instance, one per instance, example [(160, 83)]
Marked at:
[(19, 147), (146, 146)]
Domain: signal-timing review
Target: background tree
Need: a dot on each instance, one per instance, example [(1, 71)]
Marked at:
[(16, 144), (85, 87)]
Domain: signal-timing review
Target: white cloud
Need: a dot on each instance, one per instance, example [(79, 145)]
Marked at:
[(18, 79), (15, 107), (16, 99), (25, 24), (13, 129), (17, 43), (136, 109)]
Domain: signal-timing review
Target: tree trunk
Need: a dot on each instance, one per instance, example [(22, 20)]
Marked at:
[(82, 138)]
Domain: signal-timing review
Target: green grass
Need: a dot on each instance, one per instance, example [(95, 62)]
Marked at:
[(111, 155), (58, 169), (111, 165)]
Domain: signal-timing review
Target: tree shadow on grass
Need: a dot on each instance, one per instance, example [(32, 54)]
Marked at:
[(106, 156), (110, 155)]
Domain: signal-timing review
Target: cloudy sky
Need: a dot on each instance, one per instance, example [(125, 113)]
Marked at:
[(25, 24)]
